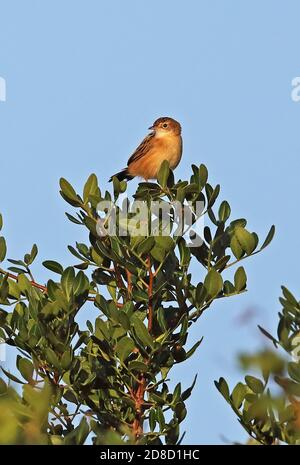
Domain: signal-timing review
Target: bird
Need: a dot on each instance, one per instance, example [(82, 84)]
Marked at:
[(164, 142)]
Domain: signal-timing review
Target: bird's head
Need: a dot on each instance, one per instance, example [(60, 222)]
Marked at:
[(166, 126)]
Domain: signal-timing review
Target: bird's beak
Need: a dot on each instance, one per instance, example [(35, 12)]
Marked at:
[(151, 128)]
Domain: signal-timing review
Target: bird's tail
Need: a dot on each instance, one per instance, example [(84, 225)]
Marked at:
[(124, 174)]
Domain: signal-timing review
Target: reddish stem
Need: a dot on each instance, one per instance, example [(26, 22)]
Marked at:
[(129, 284), (150, 291), (33, 283), (37, 285), (138, 396)]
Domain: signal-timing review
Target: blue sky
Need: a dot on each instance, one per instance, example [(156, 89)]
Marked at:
[(84, 82)]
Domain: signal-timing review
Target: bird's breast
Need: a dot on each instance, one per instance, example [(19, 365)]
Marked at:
[(168, 148), (162, 148)]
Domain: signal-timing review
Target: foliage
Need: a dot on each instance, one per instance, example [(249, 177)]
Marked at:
[(268, 406), (109, 380)]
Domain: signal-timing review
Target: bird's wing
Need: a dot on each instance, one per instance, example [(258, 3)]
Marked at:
[(142, 149)]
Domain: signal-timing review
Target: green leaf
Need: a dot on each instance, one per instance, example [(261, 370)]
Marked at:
[(3, 387), (269, 237), (11, 377), (138, 366), (145, 246), (255, 384), (236, 248), (52, 288), (124, 348), (81, 284), (192, 188), (180, 411), (201, 294), (193, 349), (213, 196), (2, 249), (72, 218), (268, 335), (161, 419), (91, 224), (102, 304), (245, 239), (213, 283), (52, 357), (176, 394), (152, 419), (186, 394), (33, 253), (223, 388), (294, 371), (142, 332), (203, 174), (66, 359), (222, 262), (238, 395), (90, 187), (51, 310), (165, 242), (158, 253), (161, 319), (116, 185), (53, 266), (256, 239), (68, 190), (67, 281), (185, 253), (289, 296), (163, 173), (4, 288), (180, 194), (29, 257), (184, 327), (17, 270), (290, 386), (101, 329), (228, 288), (123, 186), (240, 279), (79, 434), (14, 289), (224, 211), (123, 320), (25, 367), (156, 397), (75, 253), (287, 415), (23, 283), (16, 262)]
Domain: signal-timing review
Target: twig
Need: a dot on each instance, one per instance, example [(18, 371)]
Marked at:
[(150, 296), (33, 283), (138, 397), (129, 283), (119, 279)]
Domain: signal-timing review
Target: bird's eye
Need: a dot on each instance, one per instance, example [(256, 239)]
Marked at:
[(165, 125)]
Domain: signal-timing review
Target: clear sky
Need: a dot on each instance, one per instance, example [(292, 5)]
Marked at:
[(85, 79)]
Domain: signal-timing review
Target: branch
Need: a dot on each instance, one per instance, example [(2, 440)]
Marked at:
[(129, 283), (150, 296), (33, 283), (138, 397)]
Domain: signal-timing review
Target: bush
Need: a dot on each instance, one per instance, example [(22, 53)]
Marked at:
[(109, 380)]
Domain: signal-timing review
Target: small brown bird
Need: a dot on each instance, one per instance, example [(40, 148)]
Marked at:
[(163, 143)]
